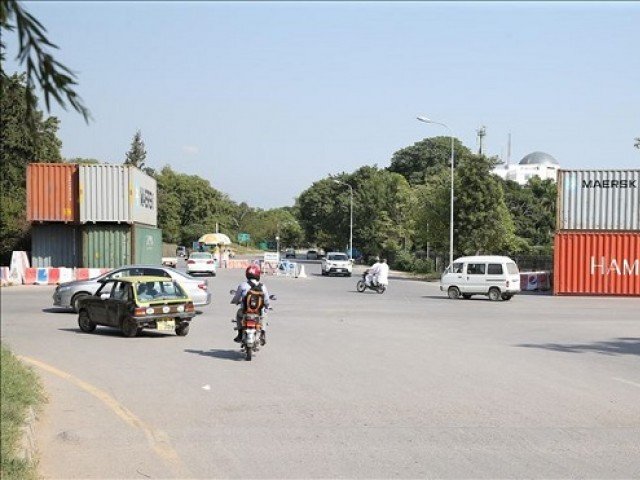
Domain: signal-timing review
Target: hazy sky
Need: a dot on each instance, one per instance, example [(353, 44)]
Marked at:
[(263, 99)]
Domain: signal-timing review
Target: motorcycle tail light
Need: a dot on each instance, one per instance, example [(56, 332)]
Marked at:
[(250, 323)]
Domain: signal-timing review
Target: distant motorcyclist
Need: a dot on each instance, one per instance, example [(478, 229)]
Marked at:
[(382, 276), (372, 271), (253, 282)]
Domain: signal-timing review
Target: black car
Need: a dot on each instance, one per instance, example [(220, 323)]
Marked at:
[(135, 303)]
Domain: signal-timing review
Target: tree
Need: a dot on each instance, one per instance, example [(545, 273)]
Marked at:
[(426, 157), (55, 80), (20, 145), (137, 154)]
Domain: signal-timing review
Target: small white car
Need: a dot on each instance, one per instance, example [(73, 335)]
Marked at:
[(336, 263), (201, 262), (494, 276)]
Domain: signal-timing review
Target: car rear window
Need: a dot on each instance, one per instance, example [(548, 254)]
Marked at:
[(512, 268), (337, 257), (159, 290), (201, 255)]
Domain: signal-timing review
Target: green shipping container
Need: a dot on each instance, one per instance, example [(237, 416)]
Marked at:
[(147, 247), (106, 245)]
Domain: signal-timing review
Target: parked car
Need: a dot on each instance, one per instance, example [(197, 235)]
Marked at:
[(68, 294), (336, 263), (494, 276), (312, 255), (289, 253), (201, 262), (135, 303)]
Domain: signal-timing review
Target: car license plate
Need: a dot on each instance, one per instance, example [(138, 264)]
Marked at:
[(339, 270), (166, 325)]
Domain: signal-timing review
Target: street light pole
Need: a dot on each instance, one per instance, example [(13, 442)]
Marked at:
[(350, 218), (427, 120)]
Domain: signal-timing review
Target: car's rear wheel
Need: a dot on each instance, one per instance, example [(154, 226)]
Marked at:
[(494, 294), (129, 327), (85, 323), (454, 293), (182, 330), (75, 301)]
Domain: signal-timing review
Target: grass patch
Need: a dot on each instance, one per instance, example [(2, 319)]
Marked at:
[(19, 389)]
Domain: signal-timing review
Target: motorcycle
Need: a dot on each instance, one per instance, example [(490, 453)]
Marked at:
[(362, 285), (253, 334)]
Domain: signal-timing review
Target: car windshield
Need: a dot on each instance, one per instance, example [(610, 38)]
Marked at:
[(159, 290), (201, 255), (338, 257)]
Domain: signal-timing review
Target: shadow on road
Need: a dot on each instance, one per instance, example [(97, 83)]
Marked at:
[(619, 346), (57, 310), (224, 354), (115, 332)]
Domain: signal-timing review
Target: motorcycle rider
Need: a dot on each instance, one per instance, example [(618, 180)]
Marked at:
[(252, 273), (372, 272), (382, 277)]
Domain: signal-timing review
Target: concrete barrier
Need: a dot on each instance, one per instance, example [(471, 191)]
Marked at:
[(4, 276), (30, 276)]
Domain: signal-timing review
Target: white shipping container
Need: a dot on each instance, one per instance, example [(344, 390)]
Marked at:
[(598, 200), (144, 198), (116, 194)]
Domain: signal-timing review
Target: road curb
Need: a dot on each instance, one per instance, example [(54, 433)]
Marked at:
[(28, 447)]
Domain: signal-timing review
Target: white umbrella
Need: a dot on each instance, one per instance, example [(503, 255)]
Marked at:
[(215, 239)]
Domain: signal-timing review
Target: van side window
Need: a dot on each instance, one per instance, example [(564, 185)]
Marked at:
[(476, 269), (495, 269), (457, 267)]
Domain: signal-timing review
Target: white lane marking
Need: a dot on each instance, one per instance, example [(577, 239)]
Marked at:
[(628, 382)]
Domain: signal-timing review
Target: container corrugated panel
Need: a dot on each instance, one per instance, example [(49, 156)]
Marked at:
[(143, 198), (104, 193), (598, 200), (106, 245), (52, 192), (147, 245), (55, 245), (597, 263)]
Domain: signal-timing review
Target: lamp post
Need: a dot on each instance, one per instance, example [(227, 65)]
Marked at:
[(350, 218), (427, 120)]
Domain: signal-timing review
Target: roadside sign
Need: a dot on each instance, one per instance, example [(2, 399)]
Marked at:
[(244, 238), (271, 257)]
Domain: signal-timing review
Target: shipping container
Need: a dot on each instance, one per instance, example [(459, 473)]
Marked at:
[(147, 246), (106, 245), (597, 263), (143, 198), (117, 194), (52, 192), (598, 200), (55, 245)]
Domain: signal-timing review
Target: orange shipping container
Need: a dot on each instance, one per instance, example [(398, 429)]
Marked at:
[(596, 263), (52, 192)]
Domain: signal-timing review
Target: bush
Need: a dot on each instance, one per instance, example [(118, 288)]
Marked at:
[(408, 262), (20, 389)]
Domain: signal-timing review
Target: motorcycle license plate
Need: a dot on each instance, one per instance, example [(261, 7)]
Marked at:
[(166, 325)]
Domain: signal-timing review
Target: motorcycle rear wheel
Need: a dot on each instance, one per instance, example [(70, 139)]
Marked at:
[(360, 286), (248, 353), (381, 289)]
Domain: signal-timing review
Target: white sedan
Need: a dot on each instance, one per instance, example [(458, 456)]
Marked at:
[(201, 262)]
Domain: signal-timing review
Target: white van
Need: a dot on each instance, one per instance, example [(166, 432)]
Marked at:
[(497, 277)]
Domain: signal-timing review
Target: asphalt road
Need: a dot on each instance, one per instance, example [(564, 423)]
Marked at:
[(408, 384)]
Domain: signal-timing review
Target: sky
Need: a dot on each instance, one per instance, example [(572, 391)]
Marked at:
[(263, 99)]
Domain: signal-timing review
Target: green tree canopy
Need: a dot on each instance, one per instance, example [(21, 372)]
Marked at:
[(20, 144), (425, 158), (136, 155)]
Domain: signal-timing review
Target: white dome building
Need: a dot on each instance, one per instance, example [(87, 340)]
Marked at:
[(538, 164)]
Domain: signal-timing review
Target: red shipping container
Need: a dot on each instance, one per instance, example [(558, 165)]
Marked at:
[(52, 192), (596, 263)]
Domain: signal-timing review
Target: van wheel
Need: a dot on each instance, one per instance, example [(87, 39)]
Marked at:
[(85, 323), (506, 297), (494, 294), (454, 293), (466, 296), (129, 327)]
